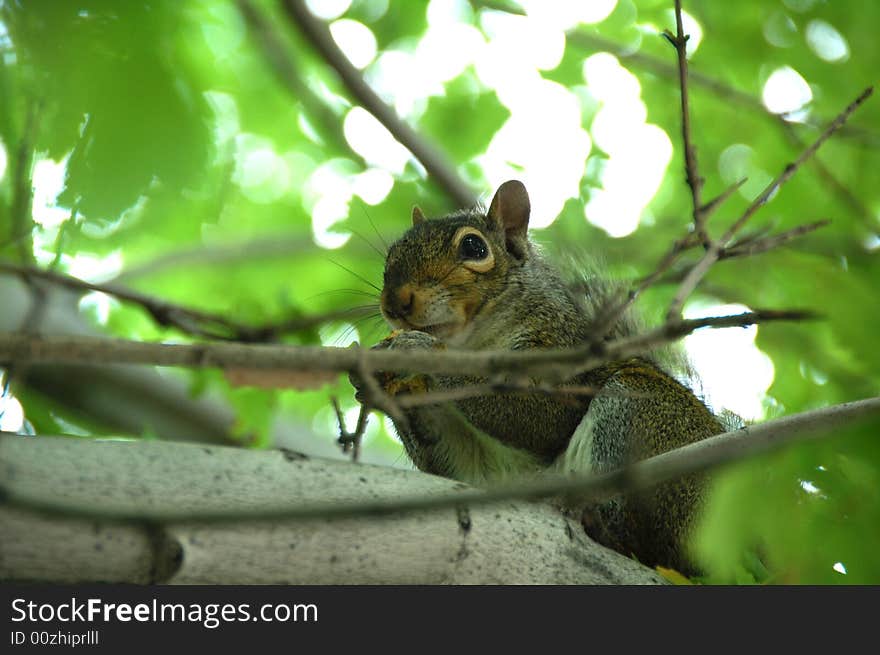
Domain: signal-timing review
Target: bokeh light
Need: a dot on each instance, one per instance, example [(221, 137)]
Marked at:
[(734, 373), (785, 91)]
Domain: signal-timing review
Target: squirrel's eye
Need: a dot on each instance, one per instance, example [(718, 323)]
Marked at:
[(473, 247)]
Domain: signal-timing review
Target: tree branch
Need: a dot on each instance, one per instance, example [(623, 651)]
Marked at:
[(792, 168), (697, 457), (277, 246), (692, 279), (351, 441), (840, 189), (721, 198), (430, 157), (550, 364), (518, 542), (191, 321), (756, 246), (22, 222), (695, 182), (282, 64)]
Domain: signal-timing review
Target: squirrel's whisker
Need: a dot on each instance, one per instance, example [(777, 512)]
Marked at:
[(359, 277)]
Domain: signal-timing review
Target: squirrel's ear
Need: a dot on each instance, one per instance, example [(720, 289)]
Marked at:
[(417, 215), (509, 211)]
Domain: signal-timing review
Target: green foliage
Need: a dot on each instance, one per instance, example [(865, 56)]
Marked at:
[(202, 176), (444, 116), (810, 512)]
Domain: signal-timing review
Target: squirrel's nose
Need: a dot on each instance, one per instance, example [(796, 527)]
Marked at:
[(404, 298), (398, 302)]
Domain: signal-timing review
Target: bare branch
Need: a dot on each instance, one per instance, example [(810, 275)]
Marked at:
[(694, 181), (756, 246), (351, 441), (608, 318), (371, 393), (712, 255), (792, 168), (22, 223), (430, 157), (753, 244), (701, 456), (195, 322), (831, 180), (552, 365), (692, 279), (721, 198)]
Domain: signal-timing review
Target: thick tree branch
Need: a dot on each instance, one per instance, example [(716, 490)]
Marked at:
[(515, 543), (701, 456)]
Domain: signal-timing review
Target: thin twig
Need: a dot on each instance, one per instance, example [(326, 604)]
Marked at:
[(701, 456), (751, 245), (597, 353), (692, 279), (608, 318), (792, 168), (194, 322), (277, 246), (373, 393), (434, 161), (755, 234), (721, 198), (695, 182), (22, 222), (831, 180), (756, 246), (712, 255), (351, 441)]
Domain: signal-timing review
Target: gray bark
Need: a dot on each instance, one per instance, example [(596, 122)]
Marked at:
[(510, 542)]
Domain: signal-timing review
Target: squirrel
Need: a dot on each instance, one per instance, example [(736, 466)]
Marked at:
[(473, 280)]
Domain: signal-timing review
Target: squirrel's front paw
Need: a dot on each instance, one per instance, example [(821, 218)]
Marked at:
[(402, 383), (394, 383), (409, 340)]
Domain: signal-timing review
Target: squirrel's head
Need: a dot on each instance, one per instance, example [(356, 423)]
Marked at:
[(444, 272)]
